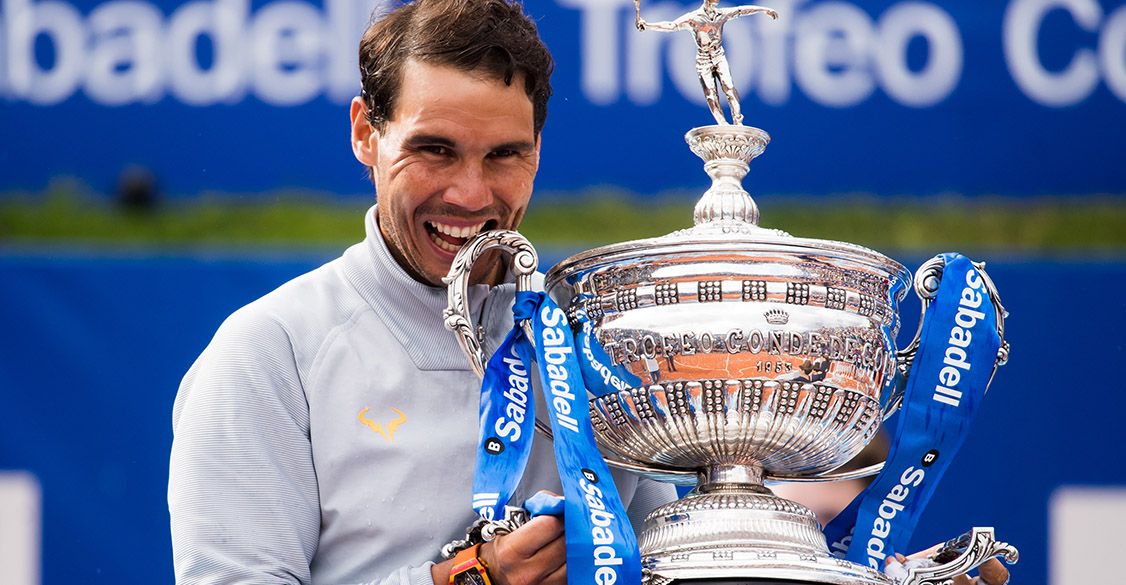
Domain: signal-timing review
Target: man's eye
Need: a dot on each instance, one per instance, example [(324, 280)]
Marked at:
[(503, 153), (435, 149)]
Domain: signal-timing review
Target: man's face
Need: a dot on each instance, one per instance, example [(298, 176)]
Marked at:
[(458, 156)]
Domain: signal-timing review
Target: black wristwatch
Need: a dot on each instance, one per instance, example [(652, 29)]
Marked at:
[(469, 569)]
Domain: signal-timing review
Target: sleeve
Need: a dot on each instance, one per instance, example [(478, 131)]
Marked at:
[(648, 496), (242, 489)]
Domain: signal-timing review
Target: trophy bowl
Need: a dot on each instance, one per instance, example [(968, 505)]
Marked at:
[(753, 355), (744, 355)]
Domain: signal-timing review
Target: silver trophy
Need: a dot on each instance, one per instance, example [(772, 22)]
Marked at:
[(758, 356)]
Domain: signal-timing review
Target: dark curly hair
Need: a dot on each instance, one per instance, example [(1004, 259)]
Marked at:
[(492, 36)]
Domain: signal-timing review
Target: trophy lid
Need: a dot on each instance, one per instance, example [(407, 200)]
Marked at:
[(726, 219)]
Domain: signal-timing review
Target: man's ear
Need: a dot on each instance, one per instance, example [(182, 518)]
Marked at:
[(365, 139)]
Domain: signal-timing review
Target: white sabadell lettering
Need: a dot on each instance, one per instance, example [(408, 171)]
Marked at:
[(840, 548), (604, 372), (127, 52), (890, 506), (517, 397), (944, 394), (957, 351), (569, 423), (605, 556)]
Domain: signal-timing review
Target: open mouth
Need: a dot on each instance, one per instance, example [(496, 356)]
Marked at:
[(451, 238)]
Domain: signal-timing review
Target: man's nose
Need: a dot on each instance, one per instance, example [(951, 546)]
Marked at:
[(469, 188)]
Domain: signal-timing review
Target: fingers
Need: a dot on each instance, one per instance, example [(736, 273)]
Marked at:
[(926, 553), (531, 537), (555, 550), (993, 572), (534, 553), (559, 577)]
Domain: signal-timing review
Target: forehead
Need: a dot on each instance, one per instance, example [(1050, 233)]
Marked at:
[(439, 95)]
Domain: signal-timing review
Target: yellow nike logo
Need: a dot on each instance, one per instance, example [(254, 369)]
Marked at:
[(391, 426)]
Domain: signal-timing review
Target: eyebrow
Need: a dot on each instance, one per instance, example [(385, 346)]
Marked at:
[(437, 140), (428, 140), (518, 146)]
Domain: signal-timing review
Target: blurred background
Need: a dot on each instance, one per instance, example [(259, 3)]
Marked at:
[(163, 163)]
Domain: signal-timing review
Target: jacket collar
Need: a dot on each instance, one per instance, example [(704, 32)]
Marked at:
[(412, 310)]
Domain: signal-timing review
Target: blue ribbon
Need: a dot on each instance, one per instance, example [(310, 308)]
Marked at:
[(506, 428), (601, 374), (544, 504), (955, 361), (601, 545)]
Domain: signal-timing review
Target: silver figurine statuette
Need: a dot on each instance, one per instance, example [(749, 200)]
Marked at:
[(706, 24), (759, 356)]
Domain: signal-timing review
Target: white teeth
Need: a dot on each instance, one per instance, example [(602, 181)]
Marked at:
[(443, 244), (457, 232), (454, 232)]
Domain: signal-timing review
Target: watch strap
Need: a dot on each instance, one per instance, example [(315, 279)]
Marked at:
[(469, 568)]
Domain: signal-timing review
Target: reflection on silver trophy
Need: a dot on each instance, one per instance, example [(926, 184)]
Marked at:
[(756, 356)]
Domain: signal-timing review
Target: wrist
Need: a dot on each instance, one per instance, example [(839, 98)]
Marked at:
[(440, 572), (469, 568)]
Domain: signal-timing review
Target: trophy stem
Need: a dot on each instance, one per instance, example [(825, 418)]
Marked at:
[(731, 528), (732, 478), (727, 152)]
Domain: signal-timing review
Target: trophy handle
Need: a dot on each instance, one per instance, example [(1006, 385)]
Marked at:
[(471, 338), (926, 281), (456, 315), (972, 549), (926, 284)]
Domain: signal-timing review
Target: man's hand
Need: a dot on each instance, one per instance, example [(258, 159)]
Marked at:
[(535, 553), (991, 572)]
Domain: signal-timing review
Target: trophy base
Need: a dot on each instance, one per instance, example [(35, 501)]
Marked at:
[(739, 582), (740, 536), (752, 569)]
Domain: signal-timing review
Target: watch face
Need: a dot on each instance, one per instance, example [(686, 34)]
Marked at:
[(470, 577)]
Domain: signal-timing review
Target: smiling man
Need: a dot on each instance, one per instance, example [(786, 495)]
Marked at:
[(459, 156), (327, 433)]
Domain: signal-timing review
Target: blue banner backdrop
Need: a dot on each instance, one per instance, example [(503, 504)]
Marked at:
[(94, 348), (1019, 97)]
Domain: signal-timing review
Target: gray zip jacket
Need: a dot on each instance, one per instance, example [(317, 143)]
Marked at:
[(327, 434)]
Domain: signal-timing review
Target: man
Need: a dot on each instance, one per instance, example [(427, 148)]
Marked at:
[(327, 434)]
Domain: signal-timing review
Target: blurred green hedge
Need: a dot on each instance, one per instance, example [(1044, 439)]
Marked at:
[(1068, 225)]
